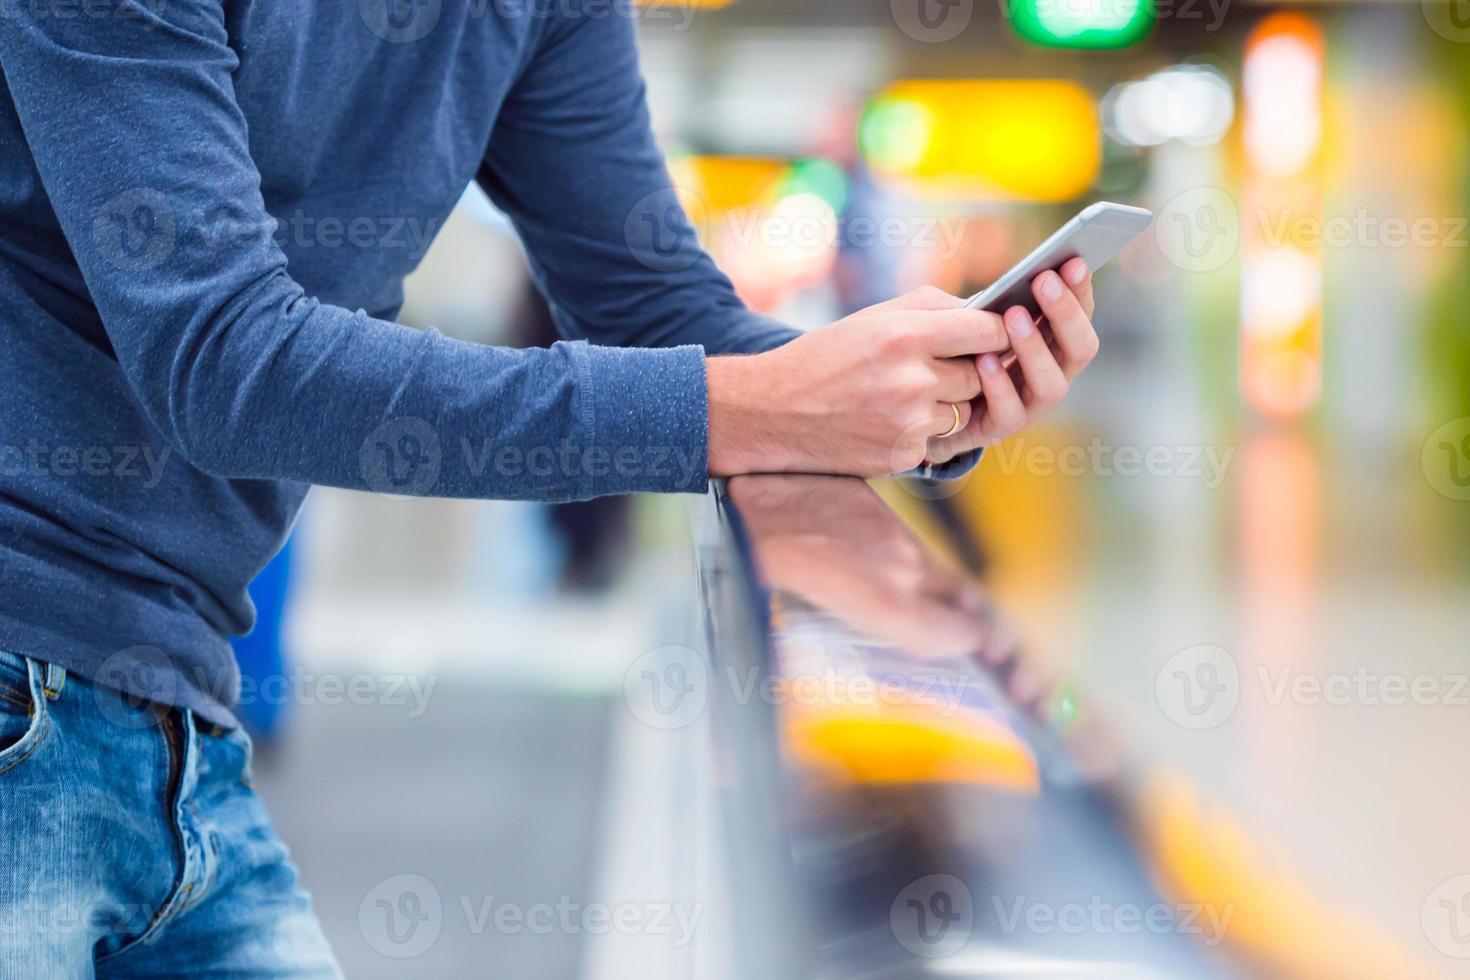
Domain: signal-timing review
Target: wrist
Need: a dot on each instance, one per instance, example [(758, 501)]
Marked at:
[(745, 432)]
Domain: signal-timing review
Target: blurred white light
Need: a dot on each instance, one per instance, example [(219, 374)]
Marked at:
[(1280, 289), (1189, 103), (1282, 85)]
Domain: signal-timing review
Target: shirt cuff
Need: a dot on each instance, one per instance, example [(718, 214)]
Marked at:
[(646, 412), (949, 470)]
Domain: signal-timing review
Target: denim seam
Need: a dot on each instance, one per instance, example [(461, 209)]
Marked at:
[(55, 681), (173, 901), (42, 729)]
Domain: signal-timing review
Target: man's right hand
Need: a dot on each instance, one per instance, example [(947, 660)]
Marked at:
[(864, 396)]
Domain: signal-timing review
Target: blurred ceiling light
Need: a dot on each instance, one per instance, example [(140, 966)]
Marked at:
[(1189, 103), (1282, 85), (1035, 140)]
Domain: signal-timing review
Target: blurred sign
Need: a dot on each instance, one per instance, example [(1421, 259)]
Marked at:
[(1033, 140), (1082, 23)]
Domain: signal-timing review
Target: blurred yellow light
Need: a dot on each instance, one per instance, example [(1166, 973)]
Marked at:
[(897, 745), (721, 183), (1029, 140)]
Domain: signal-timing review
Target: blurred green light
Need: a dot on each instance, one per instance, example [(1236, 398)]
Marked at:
[(893, 134), (1082, 23), (819, 176)]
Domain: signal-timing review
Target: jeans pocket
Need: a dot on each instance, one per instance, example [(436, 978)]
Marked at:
[(22, 708)]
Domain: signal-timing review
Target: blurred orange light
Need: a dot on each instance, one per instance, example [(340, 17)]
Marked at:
[(1036, 140)]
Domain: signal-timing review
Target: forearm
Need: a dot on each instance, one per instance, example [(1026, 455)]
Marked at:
[(314, 393)]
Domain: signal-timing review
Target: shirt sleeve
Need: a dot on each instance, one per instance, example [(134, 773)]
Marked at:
[(574, 164), (133, 125)]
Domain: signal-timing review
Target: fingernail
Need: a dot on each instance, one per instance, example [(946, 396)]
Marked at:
[(1051, 285), (1079, 272), (1019, 324), (990, 364)]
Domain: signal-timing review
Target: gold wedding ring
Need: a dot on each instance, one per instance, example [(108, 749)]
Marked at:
[(954, 428)]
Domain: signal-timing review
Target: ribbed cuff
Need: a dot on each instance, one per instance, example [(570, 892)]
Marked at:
[(648, 414)]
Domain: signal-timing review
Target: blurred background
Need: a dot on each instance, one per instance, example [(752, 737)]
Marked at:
[(1263, 482)]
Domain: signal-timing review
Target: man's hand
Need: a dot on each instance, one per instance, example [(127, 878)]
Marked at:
[(865, 396), (1015, 390), (871, 394)]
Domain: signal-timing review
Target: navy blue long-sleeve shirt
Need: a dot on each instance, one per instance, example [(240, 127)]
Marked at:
[(208, 209)]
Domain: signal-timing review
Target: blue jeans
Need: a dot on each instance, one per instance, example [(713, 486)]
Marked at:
[(132, 845)]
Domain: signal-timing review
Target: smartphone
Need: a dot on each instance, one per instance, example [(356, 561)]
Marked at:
[(1096, 234)]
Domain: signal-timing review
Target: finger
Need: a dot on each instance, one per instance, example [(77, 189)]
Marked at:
[(961, 332), (1004, 412), (1076, 340), (1046, 385), (945, 424), (923, 298), (964, 441), (958, 379), (1079, 279)]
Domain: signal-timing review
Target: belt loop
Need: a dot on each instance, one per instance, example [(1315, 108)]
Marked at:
[(55, 680)]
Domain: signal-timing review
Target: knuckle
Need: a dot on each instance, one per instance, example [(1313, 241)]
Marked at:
[(901, 337), (1051, 393), (993, 331), (908, 456), (935, 297), (912, 381)]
